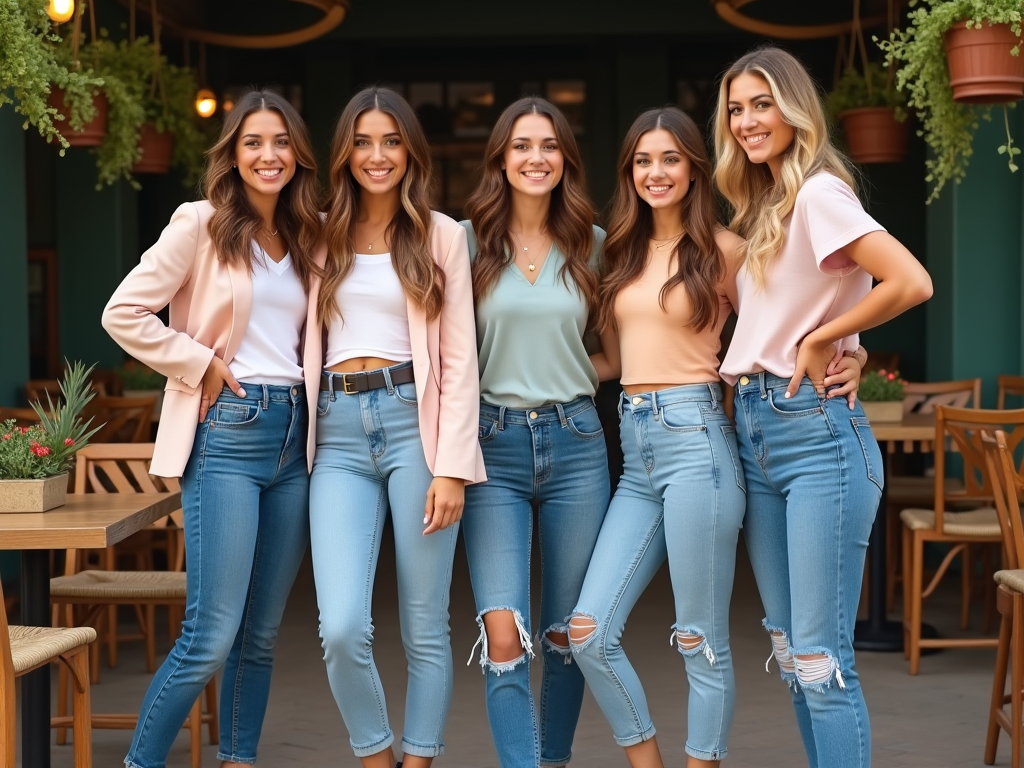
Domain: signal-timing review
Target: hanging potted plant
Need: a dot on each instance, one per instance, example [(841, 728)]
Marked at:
[(948, 119), (31, 70), (872, 114), (91, 131), (34, 461)]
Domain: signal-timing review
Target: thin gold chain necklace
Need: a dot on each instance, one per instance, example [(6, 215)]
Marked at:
[(533, 259)]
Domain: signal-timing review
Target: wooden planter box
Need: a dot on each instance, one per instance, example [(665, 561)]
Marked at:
[(33, 495), (981, 68), (883, 410)]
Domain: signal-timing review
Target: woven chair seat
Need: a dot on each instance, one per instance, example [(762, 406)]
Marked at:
[(980, 523), (31, 646), (1012, 579), (152, 585)]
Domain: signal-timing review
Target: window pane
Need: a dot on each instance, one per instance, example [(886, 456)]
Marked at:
[(472, 108)]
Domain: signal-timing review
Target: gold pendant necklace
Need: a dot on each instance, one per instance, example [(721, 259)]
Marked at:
[(532, 265), (370, 246)]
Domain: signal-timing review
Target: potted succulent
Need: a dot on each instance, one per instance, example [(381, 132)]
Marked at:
[(31, 70), (34, 460), (937, 39), (138, 380), (881, 395), (872, 114)]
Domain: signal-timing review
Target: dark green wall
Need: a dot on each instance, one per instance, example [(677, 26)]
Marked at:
[(13, 261)]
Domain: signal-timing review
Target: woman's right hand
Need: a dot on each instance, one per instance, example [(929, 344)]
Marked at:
[(217, 375)]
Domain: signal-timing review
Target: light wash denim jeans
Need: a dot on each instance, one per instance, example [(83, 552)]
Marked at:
[(245, 495), (680, 496), (553, 457), (814, 479), (369, 460)]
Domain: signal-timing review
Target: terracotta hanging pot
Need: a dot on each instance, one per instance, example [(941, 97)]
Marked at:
[(93, 132), (874, 135), (981, 68), (157, 149)]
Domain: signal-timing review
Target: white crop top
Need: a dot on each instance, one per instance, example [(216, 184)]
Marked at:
[(270, 350), (374, 319)]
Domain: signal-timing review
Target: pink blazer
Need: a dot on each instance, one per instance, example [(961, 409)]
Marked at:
[(444, 361), (210, 303)]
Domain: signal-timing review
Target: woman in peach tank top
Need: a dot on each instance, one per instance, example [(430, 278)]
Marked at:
[(812, 466)]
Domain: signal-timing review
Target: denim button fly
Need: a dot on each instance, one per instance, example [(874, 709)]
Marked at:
[(744, 380), (533, 414), (637, 400)]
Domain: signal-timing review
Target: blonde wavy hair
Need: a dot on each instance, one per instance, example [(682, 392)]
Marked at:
[(760, 203)]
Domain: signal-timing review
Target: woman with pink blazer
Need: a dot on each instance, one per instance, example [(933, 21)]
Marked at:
[(397, 420), (237, 271)]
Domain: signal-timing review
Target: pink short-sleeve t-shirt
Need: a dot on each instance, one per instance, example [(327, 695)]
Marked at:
[(808, 285)]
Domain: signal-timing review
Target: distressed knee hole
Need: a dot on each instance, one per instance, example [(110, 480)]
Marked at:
[(556, 640), (510, 659), (782, 652), (816, 670), (690, 642), (582, 629)]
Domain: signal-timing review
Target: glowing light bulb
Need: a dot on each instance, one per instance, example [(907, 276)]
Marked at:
[(206, 103), (60, 10)]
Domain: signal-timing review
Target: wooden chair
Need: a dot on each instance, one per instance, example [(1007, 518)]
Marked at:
[(124, 468), (124, 419), (958, 529), (24, 649), (1007, 486), (1008, 385), (904, 491)]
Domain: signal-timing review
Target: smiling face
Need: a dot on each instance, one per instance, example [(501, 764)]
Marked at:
[(264, 155), (533, 160), (757, 123), (379, 156), (661, 169)]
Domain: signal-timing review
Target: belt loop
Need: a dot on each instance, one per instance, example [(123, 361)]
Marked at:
[(387, 380), (266, 396), (760, 380), (618, 407), (714, 397), (501, 418), (561, 415), (654, 405), (330, 385)]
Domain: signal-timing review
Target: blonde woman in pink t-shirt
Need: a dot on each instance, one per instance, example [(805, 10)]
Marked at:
[(813, 468)]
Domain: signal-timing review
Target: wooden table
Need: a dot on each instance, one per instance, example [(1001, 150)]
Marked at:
[(86, 521), (877, 633)]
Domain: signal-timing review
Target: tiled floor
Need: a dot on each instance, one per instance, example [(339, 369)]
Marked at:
[(935, 719)]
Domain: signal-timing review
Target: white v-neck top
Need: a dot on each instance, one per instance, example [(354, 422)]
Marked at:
[(270, 351), (530, 337)]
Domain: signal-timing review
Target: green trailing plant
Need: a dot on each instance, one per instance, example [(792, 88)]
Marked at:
[(919, 50), (30, 67), (881, 386), (856, 90), (48, 448)]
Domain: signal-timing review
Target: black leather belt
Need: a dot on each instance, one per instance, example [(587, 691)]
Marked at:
[(364, 381)]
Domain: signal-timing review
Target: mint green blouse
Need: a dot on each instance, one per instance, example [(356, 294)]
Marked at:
[(530, 337)]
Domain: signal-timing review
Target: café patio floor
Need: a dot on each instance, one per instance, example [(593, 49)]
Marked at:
[(936, 719)]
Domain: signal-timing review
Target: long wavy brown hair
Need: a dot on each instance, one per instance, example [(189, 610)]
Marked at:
[(701, 265), (236, 222), (570, 217), (409, 231)]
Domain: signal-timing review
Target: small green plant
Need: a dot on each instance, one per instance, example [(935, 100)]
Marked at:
[(855, 90), (48, 448), (881, 386), (30, 68), (135, 375), (947, 127)]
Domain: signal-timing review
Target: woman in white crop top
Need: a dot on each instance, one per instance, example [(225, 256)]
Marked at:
[(236, 270), (396, 420), (813, 468)]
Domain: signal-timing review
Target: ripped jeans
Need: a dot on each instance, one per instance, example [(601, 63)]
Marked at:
[(814, 475), (681, 497), (554, 457)]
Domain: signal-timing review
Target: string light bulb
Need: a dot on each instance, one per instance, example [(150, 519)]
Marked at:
[(206, 103), (60, 10)]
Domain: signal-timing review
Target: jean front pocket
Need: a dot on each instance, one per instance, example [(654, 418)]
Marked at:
[(868, 444), (323, 404), (234, 414), (586, 424), (729, 433), (488, 430), (682, 417), (804, 403), (406, 393)]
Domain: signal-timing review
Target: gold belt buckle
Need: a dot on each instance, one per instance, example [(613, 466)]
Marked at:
[(345, 385)]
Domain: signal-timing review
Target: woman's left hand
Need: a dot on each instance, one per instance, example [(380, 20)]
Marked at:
[(446, 498), (812, 360), (844, 372)]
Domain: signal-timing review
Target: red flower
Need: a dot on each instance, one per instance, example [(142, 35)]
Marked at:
[(881, 371), (7, 436), (40, 450), (891, 377), (68, 441), (23, 430)]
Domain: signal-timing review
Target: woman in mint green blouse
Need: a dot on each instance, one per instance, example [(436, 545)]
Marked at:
[(535, 251)]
